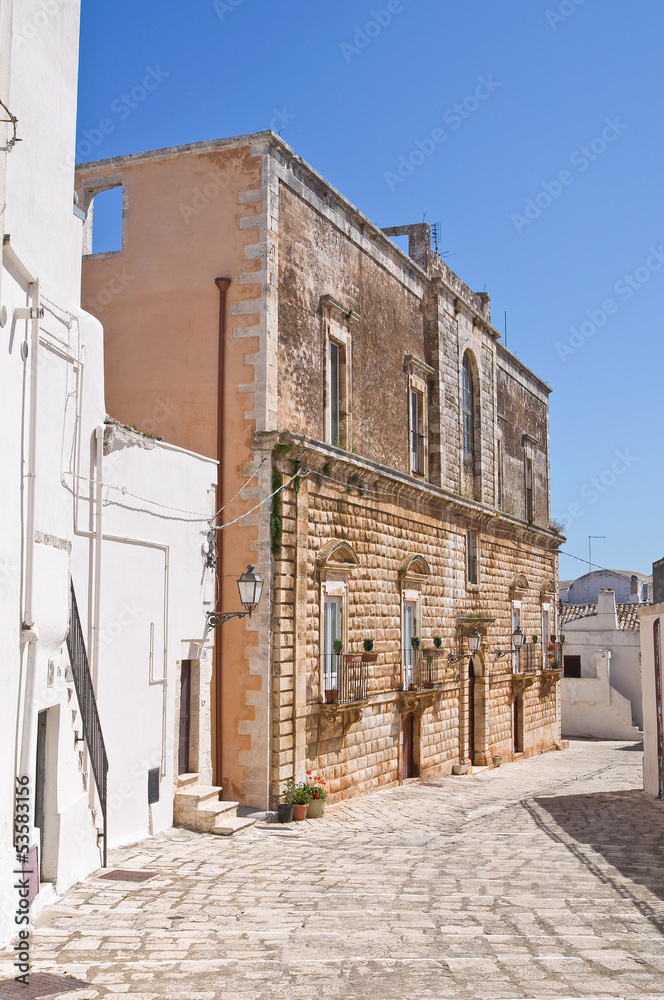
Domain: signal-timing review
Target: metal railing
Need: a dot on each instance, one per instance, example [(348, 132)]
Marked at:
[(88, 705), (530, 657), (423, 668), (344, 677)]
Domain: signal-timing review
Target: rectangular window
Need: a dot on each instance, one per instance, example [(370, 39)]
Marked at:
[(416, 433), (499, 474), (546, 633), (334, 393), (572, 666), (331, 631), (409, 630), (529, 488), (471, 557), (516, 623)]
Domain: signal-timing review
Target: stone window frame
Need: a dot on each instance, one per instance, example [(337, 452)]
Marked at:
[(87, 195), (469, 458), (418, 375), (500, 467), (473, 533), (333, 582), (516, 605), (410, 591), (528, 444), (336, 321)]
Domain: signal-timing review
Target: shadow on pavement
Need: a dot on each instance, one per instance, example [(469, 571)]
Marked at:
[(625, 829)]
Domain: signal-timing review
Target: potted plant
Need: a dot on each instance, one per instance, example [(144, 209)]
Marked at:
[(553, 637), (317, 796), (438, 642), (331, 696), (535, 638), (415, 641), (300, 796), (285, 808), (368, 656), (337, 645), (562, 638)]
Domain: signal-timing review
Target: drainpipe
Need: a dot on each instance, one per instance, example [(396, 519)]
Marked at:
[(96, 608), (24, 753), (223, 285)]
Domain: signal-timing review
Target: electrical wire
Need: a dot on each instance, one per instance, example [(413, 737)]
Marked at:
[(228, 502), (298, 475)]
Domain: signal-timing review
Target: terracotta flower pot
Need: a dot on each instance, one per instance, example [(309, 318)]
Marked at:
[(300, 811), (331, 696), (316, 808), (369, 657)]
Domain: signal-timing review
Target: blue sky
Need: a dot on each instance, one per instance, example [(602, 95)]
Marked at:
[(547, 183)]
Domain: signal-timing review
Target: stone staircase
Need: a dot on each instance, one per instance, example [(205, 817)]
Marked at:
[(197, 807), (79, 744)]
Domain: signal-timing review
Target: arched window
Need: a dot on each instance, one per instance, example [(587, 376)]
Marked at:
[(468, 408)]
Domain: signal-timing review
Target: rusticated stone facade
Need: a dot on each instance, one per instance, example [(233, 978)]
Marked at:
[(409, 450)]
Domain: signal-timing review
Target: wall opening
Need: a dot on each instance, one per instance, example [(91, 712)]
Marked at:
[(106, 211)]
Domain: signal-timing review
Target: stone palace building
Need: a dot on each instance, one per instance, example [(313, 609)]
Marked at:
[(384, 464)]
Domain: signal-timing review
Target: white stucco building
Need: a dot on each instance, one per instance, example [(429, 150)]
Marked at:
[(601, 686), (118, 516), (652, 625), (629, 587)]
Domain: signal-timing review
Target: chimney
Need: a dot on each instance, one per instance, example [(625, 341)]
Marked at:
[(606, 610)]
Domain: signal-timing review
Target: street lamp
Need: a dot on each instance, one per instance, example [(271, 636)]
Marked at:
[(474, 643), (518, 639), (250, 587)]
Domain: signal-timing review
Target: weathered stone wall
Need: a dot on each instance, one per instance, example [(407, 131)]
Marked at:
[(384, 526)]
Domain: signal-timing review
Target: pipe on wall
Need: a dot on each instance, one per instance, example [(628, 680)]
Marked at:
[(223, 285)]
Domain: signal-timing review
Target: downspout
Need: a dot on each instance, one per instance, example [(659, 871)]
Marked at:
[(29, 636), (96, 607), (223, 285)]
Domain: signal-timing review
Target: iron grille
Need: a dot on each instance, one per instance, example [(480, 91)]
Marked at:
[(88, 705), (344, 677)]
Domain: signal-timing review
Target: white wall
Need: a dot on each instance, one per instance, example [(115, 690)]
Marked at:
[(592, 708), (586, 635), (649, 616), (167, 501)]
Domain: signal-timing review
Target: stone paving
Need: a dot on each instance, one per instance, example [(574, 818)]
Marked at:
[(543, 878)]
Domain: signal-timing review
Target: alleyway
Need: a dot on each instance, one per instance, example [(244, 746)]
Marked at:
[(544, 878)]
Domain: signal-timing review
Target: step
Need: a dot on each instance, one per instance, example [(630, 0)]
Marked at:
[(227, 826), (186, 779), (193, 795)]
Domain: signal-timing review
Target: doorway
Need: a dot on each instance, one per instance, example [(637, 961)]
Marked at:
[(471, 712), (517, 719), (408, 768), (185, 717), (40, 787)]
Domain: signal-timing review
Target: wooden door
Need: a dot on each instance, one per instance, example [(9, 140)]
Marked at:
[(471, 712), (517, 727), (408, 754), (185, 710)]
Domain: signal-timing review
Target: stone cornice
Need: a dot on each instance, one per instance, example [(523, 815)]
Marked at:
[(406, 487)]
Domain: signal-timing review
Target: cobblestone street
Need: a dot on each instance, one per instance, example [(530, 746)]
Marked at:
[(543, 878)]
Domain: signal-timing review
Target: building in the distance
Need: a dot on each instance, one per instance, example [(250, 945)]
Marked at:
[(601, 689), (385, 465), (629, 588)]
